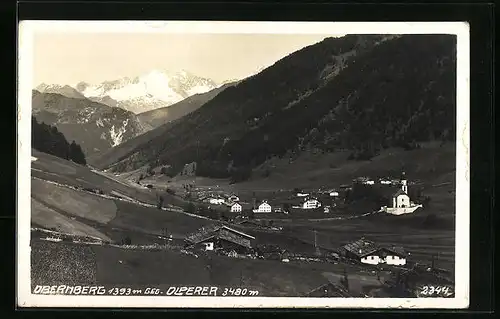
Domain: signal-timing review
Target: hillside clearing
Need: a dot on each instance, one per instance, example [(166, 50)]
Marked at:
[(152, 220), (49, 219), (72, 202), (58, 170)]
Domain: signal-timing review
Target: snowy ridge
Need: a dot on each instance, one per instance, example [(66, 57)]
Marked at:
[(64, 90), (149, 91)]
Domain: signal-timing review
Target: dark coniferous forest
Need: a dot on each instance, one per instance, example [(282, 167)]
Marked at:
[(48, 139), (356, 93)]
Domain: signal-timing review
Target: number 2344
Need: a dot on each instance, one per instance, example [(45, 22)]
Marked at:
[(436, 290)]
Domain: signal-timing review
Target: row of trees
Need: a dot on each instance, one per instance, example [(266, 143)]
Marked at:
[(46, 138)]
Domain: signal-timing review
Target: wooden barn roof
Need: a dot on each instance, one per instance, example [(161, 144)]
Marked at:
[(364, 247), (213, 230)]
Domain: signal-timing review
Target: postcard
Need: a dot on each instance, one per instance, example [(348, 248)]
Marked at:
[(206, 164)]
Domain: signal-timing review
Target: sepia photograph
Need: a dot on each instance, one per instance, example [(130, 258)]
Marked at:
[(243, 164)]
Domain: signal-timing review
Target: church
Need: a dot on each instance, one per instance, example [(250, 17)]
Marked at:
[(401, 203)]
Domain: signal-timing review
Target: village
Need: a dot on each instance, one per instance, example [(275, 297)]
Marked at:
[(392, 194), (251, 228), (240, 221)]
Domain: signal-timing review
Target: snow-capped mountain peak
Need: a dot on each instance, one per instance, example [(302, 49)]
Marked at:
[(64, 90), (148, 91)]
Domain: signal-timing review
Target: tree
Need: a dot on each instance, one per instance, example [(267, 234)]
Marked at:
[(190, 208), (287, 207), (126, 241), (48, 139), (345, 280), (160, 202), (150, 171), (76, 154)]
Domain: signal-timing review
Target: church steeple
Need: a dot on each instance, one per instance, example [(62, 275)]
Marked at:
[(404, 183)]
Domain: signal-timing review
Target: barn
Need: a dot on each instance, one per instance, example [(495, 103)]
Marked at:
[(367, 252), (221, 238)]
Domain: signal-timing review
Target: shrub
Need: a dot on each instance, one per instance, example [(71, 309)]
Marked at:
[(126, 241), (190, 208)]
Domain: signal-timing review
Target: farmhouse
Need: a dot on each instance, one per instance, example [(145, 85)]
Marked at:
[(220, 237), (264, 207), (311, 203), (368, 252), (385, 182), (235, 207), (216, 200)]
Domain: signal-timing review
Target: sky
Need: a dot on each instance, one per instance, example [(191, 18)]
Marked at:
[(71, 57)]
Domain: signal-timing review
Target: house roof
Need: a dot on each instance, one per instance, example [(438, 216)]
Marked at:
[(395, 249), (210, 231), (203, 233), (399, 192), (238, 232), (364, 247), (361, 247), (231, 204)]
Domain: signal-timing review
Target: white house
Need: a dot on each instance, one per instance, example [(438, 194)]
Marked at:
[(236, 208), (311, 203), (264, 207), (216, 201), (384, 256), (368, 252), (369, 182), (334, 193)]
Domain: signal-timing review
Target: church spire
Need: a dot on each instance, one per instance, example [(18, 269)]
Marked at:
[(404, 183)]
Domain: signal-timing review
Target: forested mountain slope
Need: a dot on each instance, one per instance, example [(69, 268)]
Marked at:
[(359, 93), (158, 117), (95, 127)]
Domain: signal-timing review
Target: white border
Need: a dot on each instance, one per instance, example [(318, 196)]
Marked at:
[(28, 28)]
